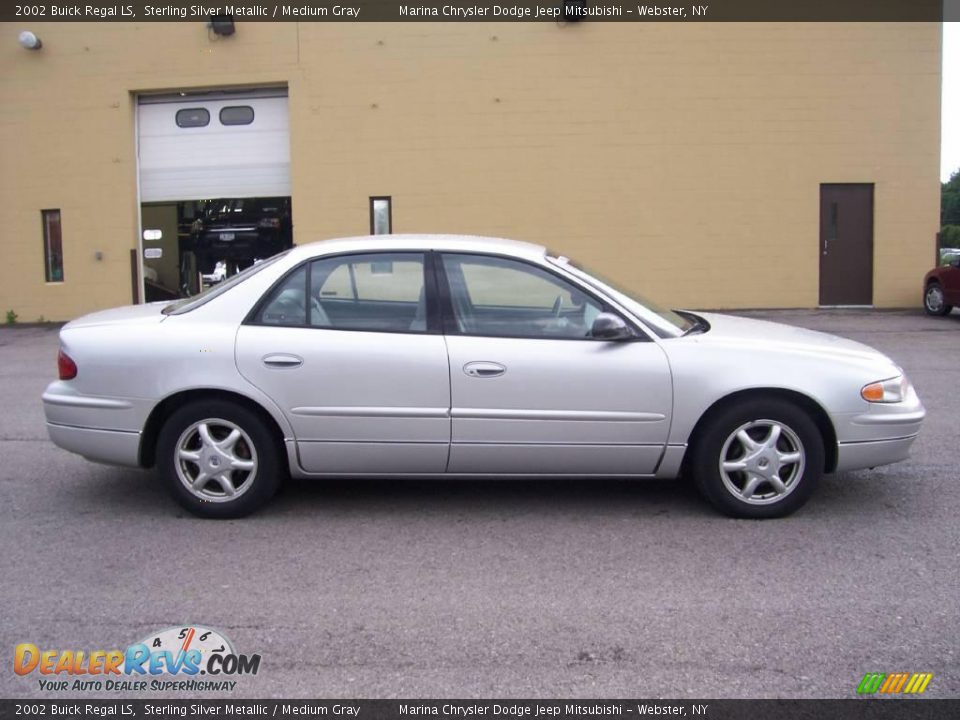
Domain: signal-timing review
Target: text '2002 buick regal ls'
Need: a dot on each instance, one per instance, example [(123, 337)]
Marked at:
[(425, 356)]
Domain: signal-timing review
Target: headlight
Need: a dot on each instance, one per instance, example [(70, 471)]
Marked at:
[(886, 391)]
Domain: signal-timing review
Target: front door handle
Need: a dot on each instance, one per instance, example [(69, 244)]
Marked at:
[(484, 369), (282, 360)]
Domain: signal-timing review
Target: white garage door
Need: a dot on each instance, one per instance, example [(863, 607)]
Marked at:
[(214, 145)]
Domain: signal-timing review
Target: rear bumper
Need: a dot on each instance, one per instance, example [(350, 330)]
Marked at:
[(113, 447), (244, 244), (232, 251), (859, 455)]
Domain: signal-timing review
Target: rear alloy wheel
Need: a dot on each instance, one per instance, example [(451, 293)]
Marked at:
[(219, 460), (759, 459), (934, 301)]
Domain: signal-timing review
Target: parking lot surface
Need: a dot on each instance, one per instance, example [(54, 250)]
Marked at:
[(502, 588)]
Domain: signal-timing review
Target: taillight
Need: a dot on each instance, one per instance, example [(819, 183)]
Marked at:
[(66, 366)]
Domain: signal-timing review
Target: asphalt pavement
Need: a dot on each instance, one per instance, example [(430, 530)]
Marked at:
[(504, 588)]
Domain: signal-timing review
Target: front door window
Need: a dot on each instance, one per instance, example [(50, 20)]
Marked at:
[(499, 297)]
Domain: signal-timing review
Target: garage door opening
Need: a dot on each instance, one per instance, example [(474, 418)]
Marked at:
[(214, 172), (189, 246)]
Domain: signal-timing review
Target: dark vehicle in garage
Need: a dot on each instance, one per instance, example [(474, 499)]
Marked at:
[(240, 230), (941, 289)]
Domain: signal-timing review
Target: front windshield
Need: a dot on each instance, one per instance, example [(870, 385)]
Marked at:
[(187, 304), (664, 320)]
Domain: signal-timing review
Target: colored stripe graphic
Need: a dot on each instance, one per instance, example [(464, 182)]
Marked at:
[(871, 683), (894, 683), (918, 683)]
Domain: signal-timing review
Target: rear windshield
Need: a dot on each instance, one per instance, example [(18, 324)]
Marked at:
[(185, 305)]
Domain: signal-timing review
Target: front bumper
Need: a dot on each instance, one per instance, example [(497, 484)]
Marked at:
[(880, 435), (859, 455)]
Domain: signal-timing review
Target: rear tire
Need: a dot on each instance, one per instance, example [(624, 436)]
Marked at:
[(934, 301), (758, 459), (219, 459)]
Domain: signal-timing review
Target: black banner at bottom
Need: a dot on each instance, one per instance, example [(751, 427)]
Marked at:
[(855, 709)]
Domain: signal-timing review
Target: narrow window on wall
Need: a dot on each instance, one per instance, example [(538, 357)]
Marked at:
[(381, 216), (52, 246)]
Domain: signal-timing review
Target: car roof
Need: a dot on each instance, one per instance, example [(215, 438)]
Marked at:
[(413, 241)]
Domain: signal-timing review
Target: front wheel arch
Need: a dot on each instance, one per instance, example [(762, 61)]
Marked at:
[(804, 402)]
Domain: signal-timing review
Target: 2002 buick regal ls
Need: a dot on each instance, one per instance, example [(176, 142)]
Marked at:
[(453, 356)]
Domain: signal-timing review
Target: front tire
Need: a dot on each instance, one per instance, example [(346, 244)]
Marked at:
[(758, 459), (934, 301), (219, 459)]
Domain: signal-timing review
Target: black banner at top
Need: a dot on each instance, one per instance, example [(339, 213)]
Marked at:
[(565, 11)]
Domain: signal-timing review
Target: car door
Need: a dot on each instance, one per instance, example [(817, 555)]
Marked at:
[(531, 391), (344, 346)]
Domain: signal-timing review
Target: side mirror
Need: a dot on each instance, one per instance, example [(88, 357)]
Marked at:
[(607, 326)]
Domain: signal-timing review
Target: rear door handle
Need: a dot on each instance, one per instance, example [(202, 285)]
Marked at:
[(282, 360), (484, 369)]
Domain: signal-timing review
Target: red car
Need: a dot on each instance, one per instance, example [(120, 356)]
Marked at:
[(941, 289)]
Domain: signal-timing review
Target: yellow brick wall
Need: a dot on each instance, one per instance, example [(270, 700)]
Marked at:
[(683, 159)]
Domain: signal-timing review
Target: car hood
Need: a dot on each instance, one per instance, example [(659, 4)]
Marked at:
[(747, 334), (147, 313)]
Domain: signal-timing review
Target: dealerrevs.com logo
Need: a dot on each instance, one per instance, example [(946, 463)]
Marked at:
[(171, 659)]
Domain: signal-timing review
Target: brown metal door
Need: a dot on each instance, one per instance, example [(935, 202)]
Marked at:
[(846, 244)]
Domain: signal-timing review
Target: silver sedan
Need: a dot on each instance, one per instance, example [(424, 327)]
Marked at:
[(413, 356)]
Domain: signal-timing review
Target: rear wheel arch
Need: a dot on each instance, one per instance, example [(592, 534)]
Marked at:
[(169, 405), (808, 405)]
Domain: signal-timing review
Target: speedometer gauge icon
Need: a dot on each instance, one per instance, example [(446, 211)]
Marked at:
[(183, 638)]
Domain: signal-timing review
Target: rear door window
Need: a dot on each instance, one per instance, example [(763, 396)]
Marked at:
[(376, 292)]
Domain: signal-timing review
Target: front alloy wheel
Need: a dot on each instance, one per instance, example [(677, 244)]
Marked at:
[(761, 462), (757, 458)]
